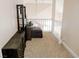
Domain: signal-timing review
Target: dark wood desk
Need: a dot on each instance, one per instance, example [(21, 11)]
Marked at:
[(15, 46)]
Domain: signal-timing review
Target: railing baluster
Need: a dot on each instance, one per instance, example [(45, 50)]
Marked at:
[(44, 24)]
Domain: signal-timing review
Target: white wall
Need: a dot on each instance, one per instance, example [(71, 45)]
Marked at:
[(19, 1), (38, 1), (70, 31), (38, 9), (8, 22)]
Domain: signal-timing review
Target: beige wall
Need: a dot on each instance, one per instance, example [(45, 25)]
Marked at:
[(8, 22), (70, 31)]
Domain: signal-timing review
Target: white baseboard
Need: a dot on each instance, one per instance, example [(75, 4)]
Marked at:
[(70, 50)]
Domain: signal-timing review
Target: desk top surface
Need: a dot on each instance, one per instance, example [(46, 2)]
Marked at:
[(14, 42)]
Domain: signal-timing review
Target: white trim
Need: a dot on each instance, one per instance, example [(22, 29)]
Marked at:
[(70, 50)]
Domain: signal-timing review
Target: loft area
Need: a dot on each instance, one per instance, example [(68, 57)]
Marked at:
[(16, 45)]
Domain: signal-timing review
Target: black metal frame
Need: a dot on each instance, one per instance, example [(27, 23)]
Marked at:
[(22, 10)]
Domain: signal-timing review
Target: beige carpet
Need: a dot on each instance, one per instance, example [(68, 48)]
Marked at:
[(47, 47)]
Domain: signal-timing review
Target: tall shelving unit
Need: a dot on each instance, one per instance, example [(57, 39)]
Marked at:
[(21, 17)]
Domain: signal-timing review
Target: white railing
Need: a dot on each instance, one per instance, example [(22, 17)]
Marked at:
[(44, 24)]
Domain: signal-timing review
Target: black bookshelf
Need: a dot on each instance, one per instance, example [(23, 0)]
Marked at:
[(21, 17)]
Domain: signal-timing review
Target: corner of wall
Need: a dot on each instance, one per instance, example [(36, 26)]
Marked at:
[(70, 50)]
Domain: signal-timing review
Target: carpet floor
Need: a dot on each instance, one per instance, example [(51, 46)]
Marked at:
[(46, 47)]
